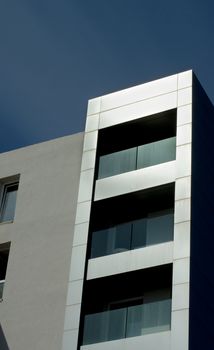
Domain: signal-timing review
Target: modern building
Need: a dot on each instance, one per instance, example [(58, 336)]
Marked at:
[(106, 237)]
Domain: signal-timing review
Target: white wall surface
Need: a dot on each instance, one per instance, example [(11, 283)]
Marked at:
[(33, 307)]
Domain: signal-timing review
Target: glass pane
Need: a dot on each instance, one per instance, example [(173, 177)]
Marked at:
[(149, 318), (111, 240), (139, 233), (160, 227), (104, 326), (99, 243), (122, 238), (9, 203), (164, 314), (156, 152), (1, 288), (156, 316), (134, 321), (95, 328), (117, 324), (117, 163), (157, 311)]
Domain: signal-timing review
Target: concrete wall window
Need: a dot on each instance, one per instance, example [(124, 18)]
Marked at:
[(4, 254), (138, 157), (126, 307), (8, 202), (155, 228)]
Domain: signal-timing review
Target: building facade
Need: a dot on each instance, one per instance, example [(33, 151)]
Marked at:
[(108, 245)]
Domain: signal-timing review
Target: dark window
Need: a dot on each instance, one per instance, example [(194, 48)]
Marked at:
[(8, 203), (4, 254)]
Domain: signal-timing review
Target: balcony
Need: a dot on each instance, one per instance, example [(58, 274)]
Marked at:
[(137, 157), (155, 228), (132, 321), (126, 305)]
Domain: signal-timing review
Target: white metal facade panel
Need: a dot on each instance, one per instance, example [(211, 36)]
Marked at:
[(113, 109)]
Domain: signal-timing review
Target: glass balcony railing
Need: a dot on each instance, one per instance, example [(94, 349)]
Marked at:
[(127, 322), (1, 288), (156, 228), (137, 157)]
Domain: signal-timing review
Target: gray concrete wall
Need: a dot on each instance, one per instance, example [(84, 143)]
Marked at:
[(33, 307)]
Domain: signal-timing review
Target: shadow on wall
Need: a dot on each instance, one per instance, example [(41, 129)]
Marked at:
[(3, 342)]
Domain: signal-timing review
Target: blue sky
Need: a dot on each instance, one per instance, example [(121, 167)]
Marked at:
[(56, 54)]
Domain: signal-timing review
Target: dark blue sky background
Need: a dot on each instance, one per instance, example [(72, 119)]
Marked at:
[(56, 54)]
